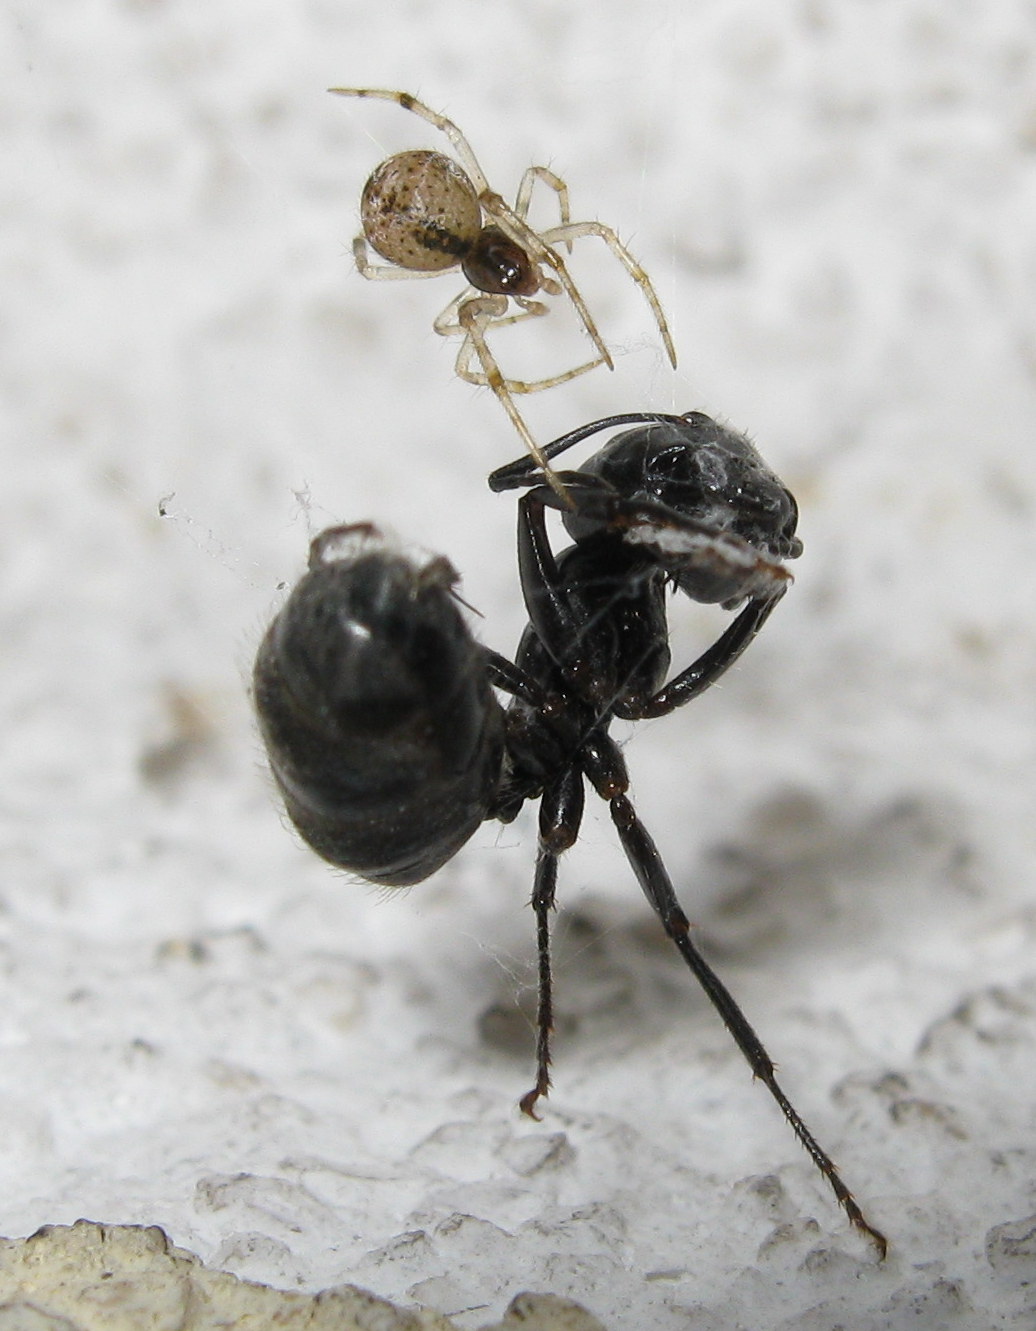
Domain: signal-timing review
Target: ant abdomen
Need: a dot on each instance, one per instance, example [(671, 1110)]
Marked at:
[(381, 728)]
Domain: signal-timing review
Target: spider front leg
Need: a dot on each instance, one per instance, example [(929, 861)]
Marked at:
[(473, 316), (449, 323), (518, 230), (552, 181), (410, 103), (572, 231)]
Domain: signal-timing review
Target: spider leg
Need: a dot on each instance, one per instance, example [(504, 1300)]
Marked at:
[(448, 323), (573, 230), (463, 368), (561, 812), (447, 127), (522, 234), (473, 316), (605, 769), (519, 386), (703, 672), (376, 272), (552, 181)]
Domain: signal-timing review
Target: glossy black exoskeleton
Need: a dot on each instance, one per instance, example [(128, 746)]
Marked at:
[(385, 736), (382, 730)]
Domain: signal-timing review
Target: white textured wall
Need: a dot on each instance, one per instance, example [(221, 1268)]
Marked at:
[(203, 1027)]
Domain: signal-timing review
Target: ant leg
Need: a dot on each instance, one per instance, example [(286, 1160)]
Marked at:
[(519, 473), (561, 812), (679, 542), (703, 672), (558, 628), (605, 768), (674, 542), (504, 674), (544, 886)]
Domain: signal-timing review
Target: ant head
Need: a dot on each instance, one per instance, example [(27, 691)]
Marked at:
[(734, 521), (704, 471)]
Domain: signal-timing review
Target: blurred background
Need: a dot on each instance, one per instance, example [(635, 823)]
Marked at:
[(308, 1082)]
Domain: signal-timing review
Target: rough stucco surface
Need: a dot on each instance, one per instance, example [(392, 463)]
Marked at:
[(310, 1084), (90, 1277)]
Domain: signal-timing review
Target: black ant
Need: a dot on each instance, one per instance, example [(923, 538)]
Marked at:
[(377, 706)]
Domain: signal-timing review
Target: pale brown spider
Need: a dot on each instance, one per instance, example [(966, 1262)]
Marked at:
[(426, 215)]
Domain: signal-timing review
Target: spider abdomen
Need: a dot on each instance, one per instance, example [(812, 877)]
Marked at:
[(420, 211)]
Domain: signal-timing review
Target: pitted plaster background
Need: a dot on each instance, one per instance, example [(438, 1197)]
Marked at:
[(304, 1082)]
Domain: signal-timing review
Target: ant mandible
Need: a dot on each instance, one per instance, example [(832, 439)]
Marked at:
[(377, 708)]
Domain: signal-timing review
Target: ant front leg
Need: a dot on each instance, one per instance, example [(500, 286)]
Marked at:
[(707, 669), (559, 627)]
